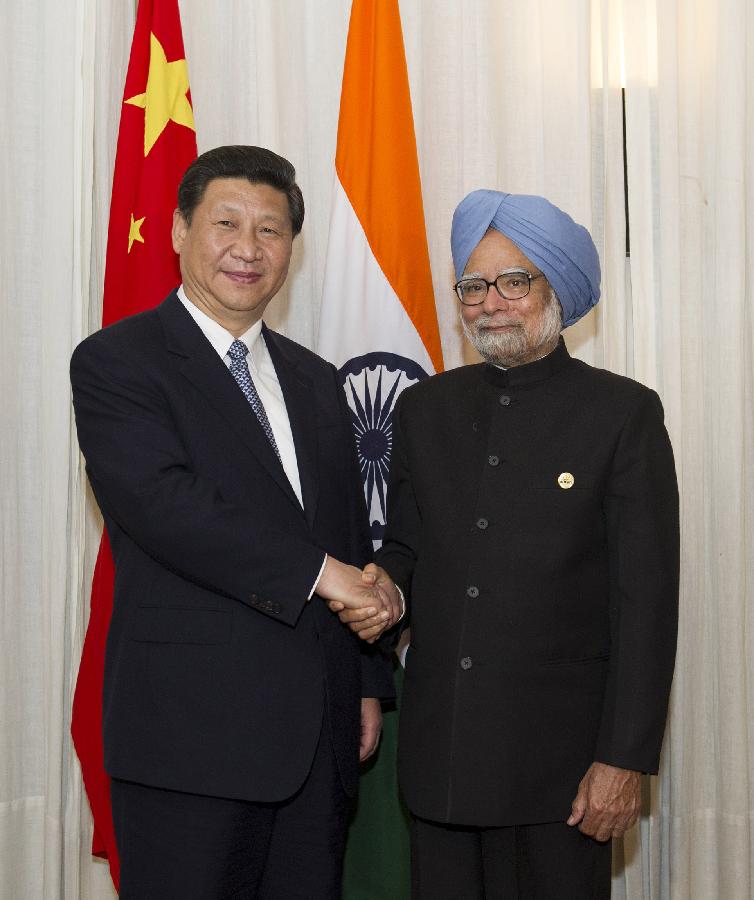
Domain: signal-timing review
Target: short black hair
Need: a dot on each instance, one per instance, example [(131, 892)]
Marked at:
[(256, 164)]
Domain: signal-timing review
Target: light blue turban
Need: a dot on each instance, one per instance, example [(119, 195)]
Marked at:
[(563, 250)]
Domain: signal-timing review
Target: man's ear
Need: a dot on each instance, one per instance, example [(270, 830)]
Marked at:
[(180, 229)]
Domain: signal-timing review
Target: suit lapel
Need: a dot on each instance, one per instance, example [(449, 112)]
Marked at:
[(207, 372), (298, 392)]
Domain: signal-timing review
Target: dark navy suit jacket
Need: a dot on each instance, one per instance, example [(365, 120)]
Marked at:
[(219, 673)]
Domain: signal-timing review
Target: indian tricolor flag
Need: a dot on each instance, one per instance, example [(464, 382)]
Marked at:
[(378, 325)]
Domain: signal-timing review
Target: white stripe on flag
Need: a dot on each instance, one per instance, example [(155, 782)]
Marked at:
[(360, 310)]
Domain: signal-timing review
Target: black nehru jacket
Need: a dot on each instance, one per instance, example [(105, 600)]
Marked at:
[(533, 525)]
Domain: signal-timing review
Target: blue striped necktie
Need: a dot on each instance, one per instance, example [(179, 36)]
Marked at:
[(239, 369)]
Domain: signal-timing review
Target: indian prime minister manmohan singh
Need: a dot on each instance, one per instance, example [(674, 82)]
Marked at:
[(533, 528)]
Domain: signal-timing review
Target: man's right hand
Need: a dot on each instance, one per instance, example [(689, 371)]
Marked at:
[(366, 607), (369, 626)]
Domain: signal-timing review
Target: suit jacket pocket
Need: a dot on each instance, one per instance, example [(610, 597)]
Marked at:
[(177, 625), (578, 660)]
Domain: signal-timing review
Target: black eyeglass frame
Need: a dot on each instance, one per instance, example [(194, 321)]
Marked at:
[(494, 283)]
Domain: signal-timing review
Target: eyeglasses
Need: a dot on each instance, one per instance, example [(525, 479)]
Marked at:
[(512, 285)]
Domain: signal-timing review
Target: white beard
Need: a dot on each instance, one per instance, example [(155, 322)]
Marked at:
[(521, 345)]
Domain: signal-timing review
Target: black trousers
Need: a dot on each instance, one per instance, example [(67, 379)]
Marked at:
[(518, 862), (176, 846)]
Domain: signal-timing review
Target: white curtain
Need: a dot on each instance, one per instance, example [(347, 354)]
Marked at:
[(526, 97), (690, 151)]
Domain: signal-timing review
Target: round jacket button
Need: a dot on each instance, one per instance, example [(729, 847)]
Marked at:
[(466, 662), (493, 460), (505, 400), (472, 592), (482, 523)]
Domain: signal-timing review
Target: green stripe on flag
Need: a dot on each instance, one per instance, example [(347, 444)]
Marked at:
[(377, 863)]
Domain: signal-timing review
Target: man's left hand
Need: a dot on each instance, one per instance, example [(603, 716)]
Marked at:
[(371, 726), (607, 803)]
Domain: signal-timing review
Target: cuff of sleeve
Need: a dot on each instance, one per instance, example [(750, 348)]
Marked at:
[(403, 603), (316, 581)]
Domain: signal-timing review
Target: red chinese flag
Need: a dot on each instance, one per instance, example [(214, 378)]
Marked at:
[(156, 143)]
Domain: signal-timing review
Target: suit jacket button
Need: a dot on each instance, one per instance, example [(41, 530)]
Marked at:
[(482, 523), (254, 599), (505, 400), (472, 592), (493, 460), (466, 663)]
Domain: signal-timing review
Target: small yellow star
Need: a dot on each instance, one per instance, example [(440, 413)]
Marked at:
[(134, 231), (165, 98)]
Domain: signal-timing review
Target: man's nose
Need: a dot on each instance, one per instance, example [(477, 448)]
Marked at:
[(494, 301), (246, 245)]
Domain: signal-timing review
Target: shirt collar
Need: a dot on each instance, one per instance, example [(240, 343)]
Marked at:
[(219, 337)]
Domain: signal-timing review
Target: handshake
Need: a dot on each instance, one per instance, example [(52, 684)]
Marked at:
[(367, 601)]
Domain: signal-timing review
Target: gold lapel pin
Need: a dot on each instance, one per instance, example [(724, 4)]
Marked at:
[(565, 480)]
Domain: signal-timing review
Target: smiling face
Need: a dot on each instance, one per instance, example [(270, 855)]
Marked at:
[(235, 253), (510, 332)]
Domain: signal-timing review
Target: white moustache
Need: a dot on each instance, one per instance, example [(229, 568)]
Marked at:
[(486, 321)]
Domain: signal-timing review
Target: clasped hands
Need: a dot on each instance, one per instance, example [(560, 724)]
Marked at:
[(366, 601)]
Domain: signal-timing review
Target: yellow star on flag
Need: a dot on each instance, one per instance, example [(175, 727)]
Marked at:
[(134, 231), (165, 98)]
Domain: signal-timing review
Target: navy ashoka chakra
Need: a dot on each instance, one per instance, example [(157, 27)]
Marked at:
[(372, 384)]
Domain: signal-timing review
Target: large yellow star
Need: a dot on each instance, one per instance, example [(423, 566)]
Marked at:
[(165, 98), (134, 231)]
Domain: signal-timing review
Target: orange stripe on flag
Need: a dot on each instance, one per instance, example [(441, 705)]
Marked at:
[(377, 164)]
